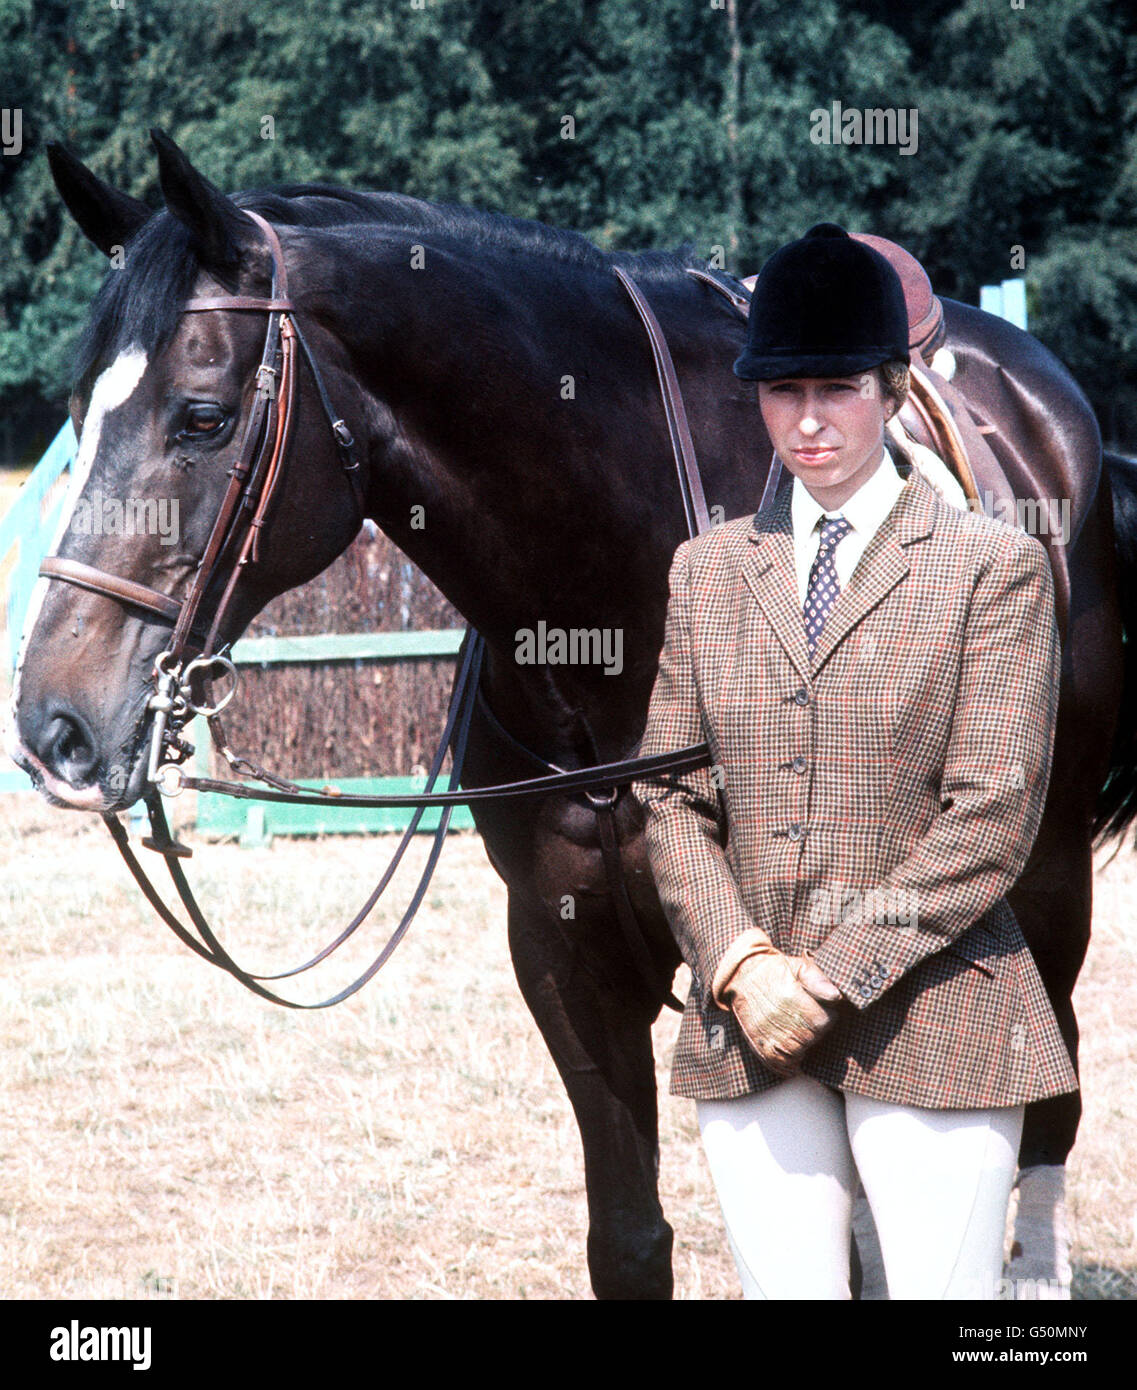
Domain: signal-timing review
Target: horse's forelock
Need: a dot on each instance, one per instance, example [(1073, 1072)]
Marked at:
[(137, 305)]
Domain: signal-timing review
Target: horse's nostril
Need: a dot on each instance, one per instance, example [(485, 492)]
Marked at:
[(67, 748), (68, 742)]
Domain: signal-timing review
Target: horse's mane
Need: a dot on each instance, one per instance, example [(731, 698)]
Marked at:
[(138, 303)]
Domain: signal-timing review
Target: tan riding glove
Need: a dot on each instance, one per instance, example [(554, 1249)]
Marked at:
[(782, 1003)]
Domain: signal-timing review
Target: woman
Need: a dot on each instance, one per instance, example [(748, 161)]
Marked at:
[(877, 675)]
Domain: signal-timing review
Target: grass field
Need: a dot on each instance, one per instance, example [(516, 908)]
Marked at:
[(163, 1133)]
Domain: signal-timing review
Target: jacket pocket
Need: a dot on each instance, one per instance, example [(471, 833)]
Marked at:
[(978, 947)]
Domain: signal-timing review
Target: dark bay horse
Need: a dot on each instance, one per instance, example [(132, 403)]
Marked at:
[(504, 400)]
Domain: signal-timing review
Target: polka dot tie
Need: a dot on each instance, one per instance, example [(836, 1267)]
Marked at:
[(823, 586)]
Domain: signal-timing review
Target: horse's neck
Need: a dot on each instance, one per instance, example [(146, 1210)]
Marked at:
[(530, 476), (547, 445)]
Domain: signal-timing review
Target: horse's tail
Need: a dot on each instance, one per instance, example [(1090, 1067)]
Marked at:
[(1117, 801)]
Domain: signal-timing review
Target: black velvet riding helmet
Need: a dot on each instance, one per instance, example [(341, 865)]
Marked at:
[(825, 305)]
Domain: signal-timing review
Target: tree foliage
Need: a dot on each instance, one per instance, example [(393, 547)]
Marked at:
[(638, 122)]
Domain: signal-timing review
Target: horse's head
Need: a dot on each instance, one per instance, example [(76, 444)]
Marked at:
[(163, 402)]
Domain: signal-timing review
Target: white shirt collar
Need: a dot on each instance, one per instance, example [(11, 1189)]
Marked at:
[(864, 511)]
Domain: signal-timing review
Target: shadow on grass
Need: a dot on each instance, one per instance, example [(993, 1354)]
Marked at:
[(1103, 1282)]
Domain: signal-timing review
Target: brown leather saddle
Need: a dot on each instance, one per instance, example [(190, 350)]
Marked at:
[(925, 312)]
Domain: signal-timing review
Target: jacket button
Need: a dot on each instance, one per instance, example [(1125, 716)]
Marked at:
[(799, 764), (794, 832), (801, 697)]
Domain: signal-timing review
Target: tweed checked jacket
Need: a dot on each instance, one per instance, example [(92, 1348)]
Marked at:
[(873, 805)]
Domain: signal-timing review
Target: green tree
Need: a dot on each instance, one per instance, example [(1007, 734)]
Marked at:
[(638, 122)]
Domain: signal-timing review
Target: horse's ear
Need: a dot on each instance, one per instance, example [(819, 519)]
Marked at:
[(218, 226), (105, 216)]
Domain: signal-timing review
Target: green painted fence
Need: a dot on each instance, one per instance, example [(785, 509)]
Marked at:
[(256, 823), (28, 527)]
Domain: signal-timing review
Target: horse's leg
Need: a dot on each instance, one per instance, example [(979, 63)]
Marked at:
[(600, 1040), (1055, 919), (868, 1282), (1053, 899)]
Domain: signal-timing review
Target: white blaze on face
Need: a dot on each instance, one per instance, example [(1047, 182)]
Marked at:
[(114, 387)]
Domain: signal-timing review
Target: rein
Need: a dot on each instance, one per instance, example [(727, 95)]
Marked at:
[(235, 541)]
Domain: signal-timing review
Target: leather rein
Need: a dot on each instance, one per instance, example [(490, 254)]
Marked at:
[(235, 542)]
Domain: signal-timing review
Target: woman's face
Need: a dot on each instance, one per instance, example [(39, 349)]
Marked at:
[(828, 431)]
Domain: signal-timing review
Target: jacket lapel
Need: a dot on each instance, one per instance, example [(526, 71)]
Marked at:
[(768, 570)]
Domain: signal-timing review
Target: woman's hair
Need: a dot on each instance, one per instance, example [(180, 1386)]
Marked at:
[(894, 381)]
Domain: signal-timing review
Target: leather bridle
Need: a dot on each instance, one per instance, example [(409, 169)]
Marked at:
[(253, 478)]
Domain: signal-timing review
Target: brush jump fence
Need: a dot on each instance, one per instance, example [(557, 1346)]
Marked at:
[(345, 675)]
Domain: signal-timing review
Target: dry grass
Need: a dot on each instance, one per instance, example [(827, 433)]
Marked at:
[(1101, 1173), (165, 1133)]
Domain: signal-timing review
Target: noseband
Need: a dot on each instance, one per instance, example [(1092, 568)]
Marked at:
[(253, 478)]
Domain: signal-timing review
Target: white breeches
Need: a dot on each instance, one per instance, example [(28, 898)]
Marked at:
[(785, 1165)]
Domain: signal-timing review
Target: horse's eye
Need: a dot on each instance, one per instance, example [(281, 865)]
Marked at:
[(202, 421)]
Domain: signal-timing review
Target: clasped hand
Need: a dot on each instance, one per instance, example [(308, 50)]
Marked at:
[(783, 1004)]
